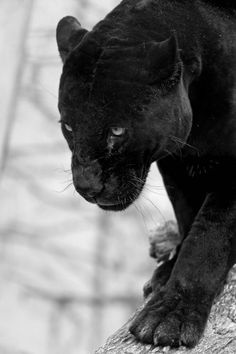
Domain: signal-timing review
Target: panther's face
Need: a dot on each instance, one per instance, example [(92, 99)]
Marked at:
[(116, 114)]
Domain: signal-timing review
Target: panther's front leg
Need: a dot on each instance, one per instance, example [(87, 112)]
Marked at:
[(177, 313), (186, 198)]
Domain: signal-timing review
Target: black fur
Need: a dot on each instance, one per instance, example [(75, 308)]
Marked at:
[(227, 5), (165, 72)]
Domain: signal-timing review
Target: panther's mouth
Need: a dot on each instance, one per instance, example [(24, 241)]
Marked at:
[(116, 193), (115, 207), (121, 201)]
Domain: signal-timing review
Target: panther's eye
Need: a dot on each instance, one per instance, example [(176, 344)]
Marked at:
[(68, 127), (117, 131)]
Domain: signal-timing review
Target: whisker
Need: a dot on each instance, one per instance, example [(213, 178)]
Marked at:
[(146, 184), (160, 213), (178, 140), (169, 152), (64, 189), (159, 193), (135, 195), (149, 214), (67, 181), (45, 89), (138, 208), (139, 183)]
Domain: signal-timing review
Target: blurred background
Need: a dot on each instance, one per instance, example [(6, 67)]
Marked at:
[(70, 274)]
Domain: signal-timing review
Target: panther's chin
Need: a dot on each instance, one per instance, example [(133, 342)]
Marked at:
[(115, 207)]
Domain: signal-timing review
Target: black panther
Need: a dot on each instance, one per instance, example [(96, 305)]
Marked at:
[(155, 81)]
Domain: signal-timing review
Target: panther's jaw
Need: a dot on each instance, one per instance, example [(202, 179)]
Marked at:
[(119, 206), (114, 207)]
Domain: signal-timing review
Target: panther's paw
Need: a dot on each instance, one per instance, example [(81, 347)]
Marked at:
[(171, 319)]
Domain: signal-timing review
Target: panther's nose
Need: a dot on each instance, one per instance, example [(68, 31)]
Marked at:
[(87, 180)]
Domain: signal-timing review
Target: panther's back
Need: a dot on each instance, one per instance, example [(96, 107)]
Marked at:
[(223, 4), (226, 5)]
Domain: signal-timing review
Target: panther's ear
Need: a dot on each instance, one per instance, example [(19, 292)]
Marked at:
[(69, 33), (164, 61)]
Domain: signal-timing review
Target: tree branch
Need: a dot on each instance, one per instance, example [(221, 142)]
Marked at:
[(219, 336)]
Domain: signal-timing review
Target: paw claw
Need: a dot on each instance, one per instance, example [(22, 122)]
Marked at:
[(190, 334), (146, 335), (167, 334)]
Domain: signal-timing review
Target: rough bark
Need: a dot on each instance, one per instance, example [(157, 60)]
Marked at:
[(219, 336)]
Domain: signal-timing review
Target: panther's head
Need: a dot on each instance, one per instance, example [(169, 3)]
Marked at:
[(121, 106)]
